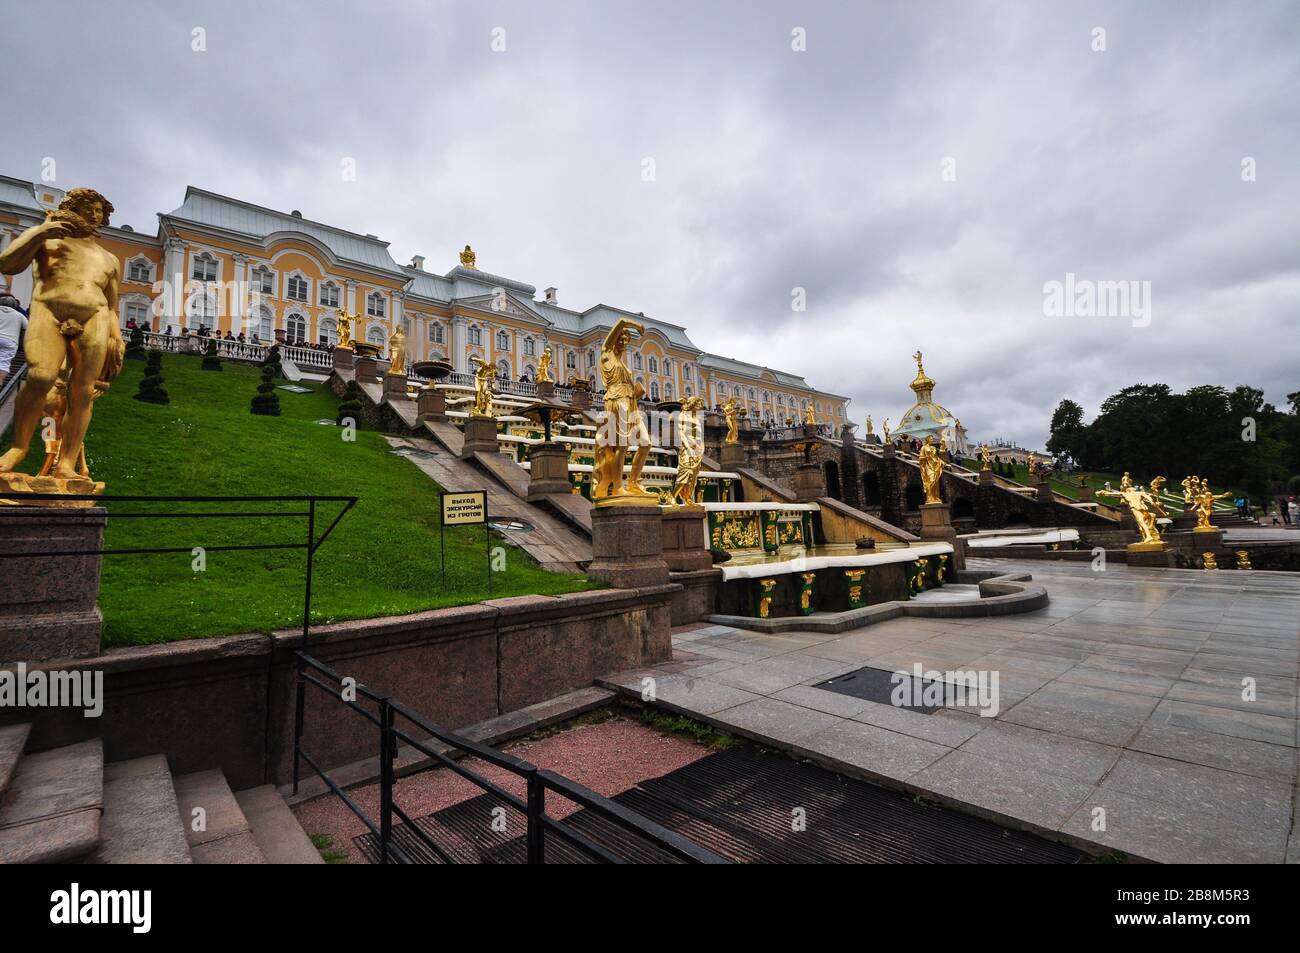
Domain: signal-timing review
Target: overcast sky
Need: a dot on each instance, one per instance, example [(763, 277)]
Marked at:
[(824, 169)]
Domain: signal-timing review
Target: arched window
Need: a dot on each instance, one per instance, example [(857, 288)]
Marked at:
[(201, 310), (475, 335), (687, 390), (436, 334), (654, 390), (263, 280), (376, 335), (137, 310), (636, 361), (530, 372), (375, 304), (654, 365), (668, 365), (329, 295), (296, 289), (503, 341), (263, 323), (722, 390), (327, 331), (591, 359), (139, 271), (295, 328), (503, 369), (686, 372), (751, 393), (205, 267), (668, 390)]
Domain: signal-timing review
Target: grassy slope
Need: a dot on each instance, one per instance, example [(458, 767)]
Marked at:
[(382, 558)]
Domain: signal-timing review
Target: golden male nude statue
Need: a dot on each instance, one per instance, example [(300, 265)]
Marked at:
[(623, 426), (74, 320)]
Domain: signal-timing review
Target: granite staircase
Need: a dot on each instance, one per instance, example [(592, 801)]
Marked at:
[(66, 805)]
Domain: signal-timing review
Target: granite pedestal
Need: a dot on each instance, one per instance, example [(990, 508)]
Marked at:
[(936, 525), (430, 404), (395, 387), (685, 541), (47, 603), (367, 370), (809, 483), (732, 456), (546, 390), (627, 546), (480, 435), (344, 358), (986, 478), (548, 470)]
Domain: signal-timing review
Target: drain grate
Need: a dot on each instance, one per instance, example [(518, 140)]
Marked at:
[(879, 685), (511, 525), (295, 389)]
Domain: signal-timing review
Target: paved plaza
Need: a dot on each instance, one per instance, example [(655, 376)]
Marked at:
[(1125, 694)]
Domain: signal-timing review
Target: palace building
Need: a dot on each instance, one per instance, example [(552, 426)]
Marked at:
[(278, 276)]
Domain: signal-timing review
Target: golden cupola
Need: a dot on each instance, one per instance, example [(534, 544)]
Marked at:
[(923, 384)]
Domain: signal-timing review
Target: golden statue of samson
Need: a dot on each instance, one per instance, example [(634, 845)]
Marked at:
[(73, 335)]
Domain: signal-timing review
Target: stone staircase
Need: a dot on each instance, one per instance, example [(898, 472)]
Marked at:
[(66, 805)]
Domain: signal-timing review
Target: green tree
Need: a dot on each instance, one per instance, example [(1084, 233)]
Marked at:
[(1069, 434)]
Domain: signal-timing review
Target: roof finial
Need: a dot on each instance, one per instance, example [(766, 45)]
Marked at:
[(468, 258)]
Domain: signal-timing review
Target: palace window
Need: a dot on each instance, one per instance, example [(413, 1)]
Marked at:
[(722, 390), (205, 267), (668, 365), (530, 347), (295, 329), (264, 328), (263, 280), (503, 370), (571, 361), (530, 372), (436, 334), (376, 336), (687, 390), (654, 390), (686, 372), (751, 393), (329, 295), (375, 304), (503, 341), (138, 271), (202, 310), (328, 332), (140, 312), (591, 359), (475, 335), (636, 361), (668, 390), (654, 365), (297, 288)]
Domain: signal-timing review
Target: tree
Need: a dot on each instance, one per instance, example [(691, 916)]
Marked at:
[(266, 401), (351, 405), (272, 360), (135, 346), (1069, 434), (211, 362), (151, 389)]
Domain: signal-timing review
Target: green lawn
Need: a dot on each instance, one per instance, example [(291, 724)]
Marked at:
[(382, 559)]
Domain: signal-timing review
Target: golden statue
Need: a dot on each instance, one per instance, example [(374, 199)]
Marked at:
[(397, 351), (1208, 562), (869, 430), (544, 366), (1032, 463), (1205, 507), (1191, 489), (345, 328), (986, 457), (623, 426), (1145, 509), (73, 321), (468, 259), (943, 443), (931, 470), (810, 415), (886, 429), (690, 451), (483, 390), (729, 412)]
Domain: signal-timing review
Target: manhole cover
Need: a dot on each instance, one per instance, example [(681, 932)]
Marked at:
[(511, 525), (295, 389), (414, 453), (879, 685)]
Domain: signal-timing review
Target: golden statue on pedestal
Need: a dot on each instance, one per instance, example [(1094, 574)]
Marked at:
[(1191, 489), (623, 426), (72, 334), (397, 351), (483, 390), (810, 415), (1145, 509), (870, 431), (1205, 498), (986, 458), (931, 470), (729, 412), (345, 328), (690, 451), (544, 366)]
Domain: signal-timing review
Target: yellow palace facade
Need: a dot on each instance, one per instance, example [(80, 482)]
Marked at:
[(231, 266)]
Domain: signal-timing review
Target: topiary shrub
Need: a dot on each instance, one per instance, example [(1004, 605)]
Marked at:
[(211, 362), (135, 345), (351, 405), (272, 361), (151, 389), (267, 401)]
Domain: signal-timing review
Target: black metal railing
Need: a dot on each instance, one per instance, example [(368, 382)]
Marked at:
[(17, 373), (439, 746)]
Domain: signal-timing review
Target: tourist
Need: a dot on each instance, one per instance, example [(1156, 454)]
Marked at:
[(12, 324), (1293, 512), (1283, 509)]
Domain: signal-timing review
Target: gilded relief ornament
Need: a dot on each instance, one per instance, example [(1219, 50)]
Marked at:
[(623, 426), (931, 471), (72, 336)]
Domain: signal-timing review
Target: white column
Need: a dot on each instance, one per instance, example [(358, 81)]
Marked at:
[(173, 276), (459, 342), (350, 296)]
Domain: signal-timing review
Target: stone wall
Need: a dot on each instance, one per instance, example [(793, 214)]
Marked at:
[(228, 702)]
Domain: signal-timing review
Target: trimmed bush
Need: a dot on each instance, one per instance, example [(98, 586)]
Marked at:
[(135, 345), (151, 389), (267, 401), (273, 361), (211, 362), (351, 405)]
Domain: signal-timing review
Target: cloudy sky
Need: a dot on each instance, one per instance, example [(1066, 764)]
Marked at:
[(920, 169)]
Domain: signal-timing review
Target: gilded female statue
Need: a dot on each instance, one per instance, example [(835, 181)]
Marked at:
[(544, 366), (931, 470), (729, 412), (690, 451), (397, 350), (483, 390), (623, 426)]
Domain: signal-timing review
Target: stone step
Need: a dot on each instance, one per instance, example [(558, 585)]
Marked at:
[(279, 836), (51, 812), (213, 822), (12, 740), (140, 824)]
